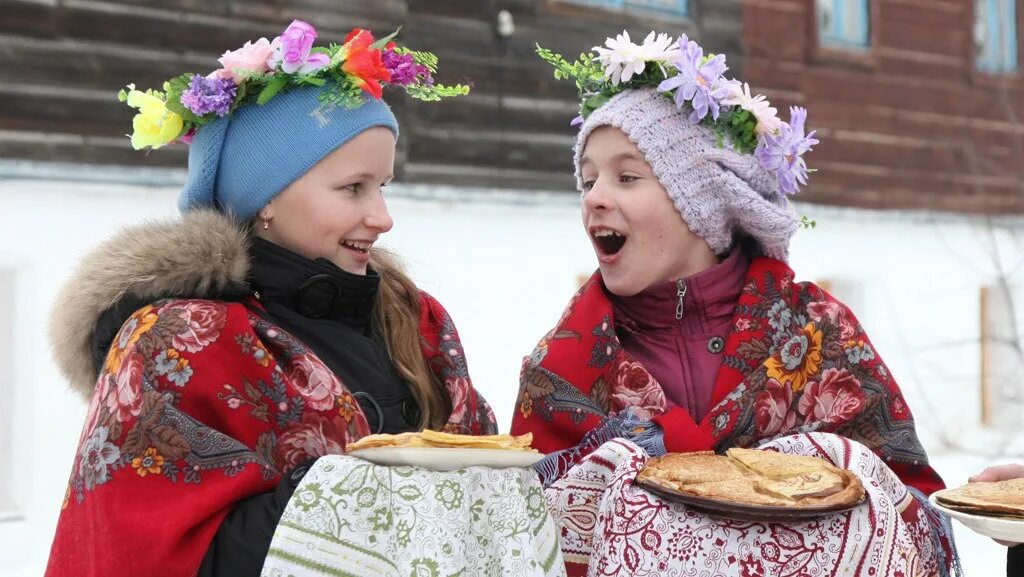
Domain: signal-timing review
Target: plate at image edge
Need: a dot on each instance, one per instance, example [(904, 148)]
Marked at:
[(1004, 529)]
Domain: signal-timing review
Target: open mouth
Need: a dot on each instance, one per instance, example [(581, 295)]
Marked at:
[(357, 246), (609, 242)]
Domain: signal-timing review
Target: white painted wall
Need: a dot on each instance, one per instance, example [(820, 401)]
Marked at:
[(504, 269)]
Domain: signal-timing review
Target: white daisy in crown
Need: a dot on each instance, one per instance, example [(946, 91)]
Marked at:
[(767, 116), (622, 58)]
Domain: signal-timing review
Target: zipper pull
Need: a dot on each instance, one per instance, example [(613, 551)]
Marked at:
[(681, 293)]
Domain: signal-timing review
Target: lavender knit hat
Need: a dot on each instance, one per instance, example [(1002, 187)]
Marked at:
[(716, 190), (726, 160)]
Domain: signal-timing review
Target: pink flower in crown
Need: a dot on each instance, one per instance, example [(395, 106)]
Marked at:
[(249, 60), (292, 50), (188, 137)]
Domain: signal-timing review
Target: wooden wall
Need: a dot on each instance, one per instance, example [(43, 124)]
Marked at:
[(64, 60), (910, 124)]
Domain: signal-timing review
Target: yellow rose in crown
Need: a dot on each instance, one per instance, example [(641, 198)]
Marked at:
[(154, 125)]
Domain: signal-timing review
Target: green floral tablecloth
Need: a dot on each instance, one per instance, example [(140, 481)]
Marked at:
[(350, 517)]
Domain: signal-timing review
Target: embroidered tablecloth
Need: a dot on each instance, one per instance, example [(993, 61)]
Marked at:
[(350, 517), (609, 526)]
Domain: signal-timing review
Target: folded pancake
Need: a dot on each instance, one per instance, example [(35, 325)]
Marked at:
[(821, 490), (509, 442), (692, 468), (438, 439), (816, 484), (374, 441), (777, 465), (740, 490), (756, 478), (1000, 498)]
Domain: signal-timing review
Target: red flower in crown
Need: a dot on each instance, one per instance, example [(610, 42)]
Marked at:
[(364, 65)]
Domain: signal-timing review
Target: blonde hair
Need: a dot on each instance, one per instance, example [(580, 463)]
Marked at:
[(397, 314)]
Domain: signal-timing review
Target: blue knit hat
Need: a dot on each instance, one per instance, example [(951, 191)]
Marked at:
[(238, 163), (274, 109)]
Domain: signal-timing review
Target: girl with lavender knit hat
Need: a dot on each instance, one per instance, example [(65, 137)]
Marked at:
[(693, 335)]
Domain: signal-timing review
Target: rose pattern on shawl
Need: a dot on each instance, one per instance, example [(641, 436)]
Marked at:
[(834, 313), (129, 415), (835, 399), (773, 408), (315, 382), (314, 436), (123, 391), (458, 390), (635, 387), (203, 321)]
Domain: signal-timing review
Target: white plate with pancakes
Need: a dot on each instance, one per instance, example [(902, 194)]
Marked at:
[(994, 510), (439, 451)]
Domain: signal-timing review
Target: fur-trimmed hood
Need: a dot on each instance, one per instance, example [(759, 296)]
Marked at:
[(198, 255)]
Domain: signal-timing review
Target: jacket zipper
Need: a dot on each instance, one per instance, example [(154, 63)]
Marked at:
[(681, 293)]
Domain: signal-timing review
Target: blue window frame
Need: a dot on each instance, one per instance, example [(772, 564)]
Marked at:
[(672, 7), (844, 24), (995, 36)]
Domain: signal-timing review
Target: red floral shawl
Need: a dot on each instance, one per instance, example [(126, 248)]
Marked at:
[(797, 360), (203, 403)]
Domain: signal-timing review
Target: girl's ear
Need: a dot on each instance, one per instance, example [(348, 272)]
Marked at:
[(267, 212)]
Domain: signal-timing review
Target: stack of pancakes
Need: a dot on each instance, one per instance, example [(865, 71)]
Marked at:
[(997, 499), (756, 478), (438, 439)]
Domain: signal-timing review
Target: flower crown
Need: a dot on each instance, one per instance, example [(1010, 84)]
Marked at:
[(258, 71), (682, 71)]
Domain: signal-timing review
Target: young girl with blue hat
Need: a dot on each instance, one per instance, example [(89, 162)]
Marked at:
[(223, 351)]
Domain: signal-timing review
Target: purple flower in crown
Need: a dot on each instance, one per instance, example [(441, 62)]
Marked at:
[(698, 82), (782, 153), (404, 69), (209, 94), (292, 50)]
